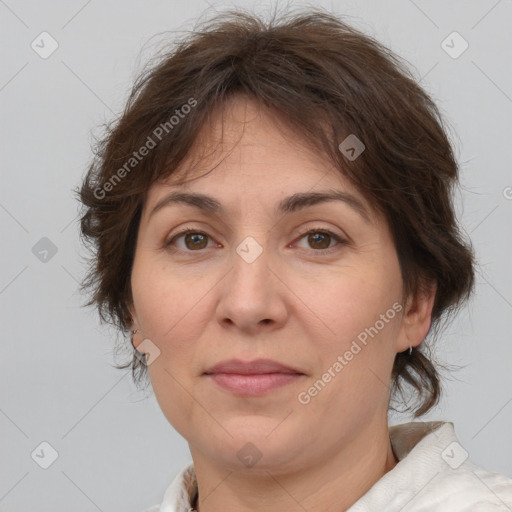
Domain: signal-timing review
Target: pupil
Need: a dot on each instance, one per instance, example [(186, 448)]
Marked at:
[(196, 239), (318, 238)]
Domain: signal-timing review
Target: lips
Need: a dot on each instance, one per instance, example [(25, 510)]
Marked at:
[(255, 367), (252, 378)]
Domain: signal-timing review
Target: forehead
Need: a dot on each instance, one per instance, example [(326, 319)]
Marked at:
[(250, 149), (245, 131)]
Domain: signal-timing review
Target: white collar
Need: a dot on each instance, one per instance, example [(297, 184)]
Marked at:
[(425, 452)]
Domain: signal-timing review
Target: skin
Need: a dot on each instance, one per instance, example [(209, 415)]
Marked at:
[(301, 302)]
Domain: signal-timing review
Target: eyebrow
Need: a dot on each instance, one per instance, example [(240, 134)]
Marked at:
[(293, 203)]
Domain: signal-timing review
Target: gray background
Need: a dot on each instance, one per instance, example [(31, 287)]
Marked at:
[(116, 451)]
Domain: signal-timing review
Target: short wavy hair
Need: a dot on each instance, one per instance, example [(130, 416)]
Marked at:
[(327, 80)]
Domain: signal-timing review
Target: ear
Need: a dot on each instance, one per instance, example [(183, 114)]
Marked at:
[(416, 319)]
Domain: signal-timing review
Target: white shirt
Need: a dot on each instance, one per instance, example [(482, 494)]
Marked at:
[(433, 474)]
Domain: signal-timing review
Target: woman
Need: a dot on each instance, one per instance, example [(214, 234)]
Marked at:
[(273, 225)]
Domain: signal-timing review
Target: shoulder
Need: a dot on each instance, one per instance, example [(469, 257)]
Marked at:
[(434, 474), (467, 488), (450, 480)]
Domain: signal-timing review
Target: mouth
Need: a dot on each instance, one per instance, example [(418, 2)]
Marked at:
[(252, 378)]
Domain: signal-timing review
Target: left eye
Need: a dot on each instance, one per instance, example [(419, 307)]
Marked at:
[(320, 239)]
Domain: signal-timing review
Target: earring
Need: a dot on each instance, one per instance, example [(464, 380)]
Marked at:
[(141, 356), (410, 350), (135, 331)]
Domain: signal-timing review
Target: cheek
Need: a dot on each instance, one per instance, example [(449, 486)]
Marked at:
[(173, 313), (358, 318), (356, 357), (350, 304), (168, 306)]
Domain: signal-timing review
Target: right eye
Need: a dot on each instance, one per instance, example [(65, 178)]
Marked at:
[(193, 240)]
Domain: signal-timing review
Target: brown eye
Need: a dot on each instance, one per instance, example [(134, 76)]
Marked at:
[(188, 240), (319, 240), (196, 241)]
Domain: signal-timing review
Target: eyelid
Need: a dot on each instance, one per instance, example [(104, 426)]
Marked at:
[(341, 240), (320, 229), (172, 238)]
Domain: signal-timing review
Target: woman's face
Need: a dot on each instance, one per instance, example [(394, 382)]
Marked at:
[(248, 283)]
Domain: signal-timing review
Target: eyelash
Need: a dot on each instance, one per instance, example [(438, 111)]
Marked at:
[(340, 241)]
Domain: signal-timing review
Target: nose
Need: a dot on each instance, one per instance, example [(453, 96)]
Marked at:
[(252, 296)]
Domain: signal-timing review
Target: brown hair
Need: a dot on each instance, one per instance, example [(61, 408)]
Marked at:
[(327, 80)]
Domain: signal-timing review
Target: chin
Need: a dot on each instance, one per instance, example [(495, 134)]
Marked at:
[(255, 446)]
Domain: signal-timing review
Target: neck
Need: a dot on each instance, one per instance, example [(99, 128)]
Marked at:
[(331, 485)]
